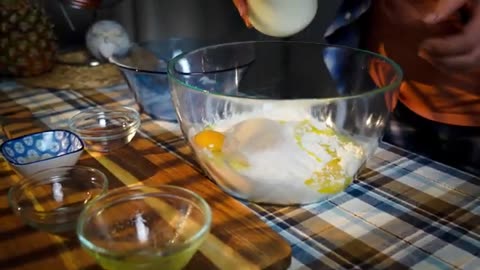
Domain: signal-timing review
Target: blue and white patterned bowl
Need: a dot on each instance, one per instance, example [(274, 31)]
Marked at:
[(43, 150)]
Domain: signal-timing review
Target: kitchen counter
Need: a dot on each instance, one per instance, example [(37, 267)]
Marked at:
[(402, 211)]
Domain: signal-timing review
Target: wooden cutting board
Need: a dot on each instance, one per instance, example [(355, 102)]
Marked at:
[(238, 238)]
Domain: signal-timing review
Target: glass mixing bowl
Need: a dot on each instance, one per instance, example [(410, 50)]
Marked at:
[(283, 122), (145, 69), (144, 227)]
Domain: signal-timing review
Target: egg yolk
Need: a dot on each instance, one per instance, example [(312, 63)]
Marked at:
[(210, 139)]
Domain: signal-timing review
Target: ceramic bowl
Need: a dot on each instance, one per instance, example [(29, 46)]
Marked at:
[(43, 150), (51, 200)]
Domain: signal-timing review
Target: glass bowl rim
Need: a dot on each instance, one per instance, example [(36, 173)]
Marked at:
[(172, 72), (202, 203), (31, 181), (132, 126), (142, 44), (114, 60), (81, 148)]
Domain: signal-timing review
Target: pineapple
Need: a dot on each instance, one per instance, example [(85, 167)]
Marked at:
[(27, 41)]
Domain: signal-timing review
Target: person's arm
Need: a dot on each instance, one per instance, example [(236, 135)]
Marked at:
[(460, 51), (242, 8)]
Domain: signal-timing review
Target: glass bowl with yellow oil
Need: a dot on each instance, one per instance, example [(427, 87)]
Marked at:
[(283, 122), (51, 200), (145, 227)]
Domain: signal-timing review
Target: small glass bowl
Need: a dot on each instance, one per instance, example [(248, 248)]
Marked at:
[(52, 199), (144, 227), (106, 128)]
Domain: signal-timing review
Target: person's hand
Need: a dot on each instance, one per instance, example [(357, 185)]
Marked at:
[(242, 8), (460, 51)]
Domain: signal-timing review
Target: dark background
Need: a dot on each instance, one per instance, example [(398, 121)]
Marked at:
[(159, 19)]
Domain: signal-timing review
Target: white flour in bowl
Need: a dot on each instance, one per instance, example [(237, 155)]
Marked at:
[(284, 161)]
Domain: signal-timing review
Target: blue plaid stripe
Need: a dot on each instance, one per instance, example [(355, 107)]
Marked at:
[(406, 219), (403, 211)]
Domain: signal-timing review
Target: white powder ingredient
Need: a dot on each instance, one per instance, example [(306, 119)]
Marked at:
[(269, 159)]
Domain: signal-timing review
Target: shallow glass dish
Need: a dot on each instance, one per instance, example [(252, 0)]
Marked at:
[(144, 227), (294, 124), (52, 199), (106, 128)]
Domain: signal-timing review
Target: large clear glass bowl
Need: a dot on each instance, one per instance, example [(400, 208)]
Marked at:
[(283, 122)]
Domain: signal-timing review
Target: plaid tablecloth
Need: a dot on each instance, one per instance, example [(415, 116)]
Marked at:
[(403, 211)]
